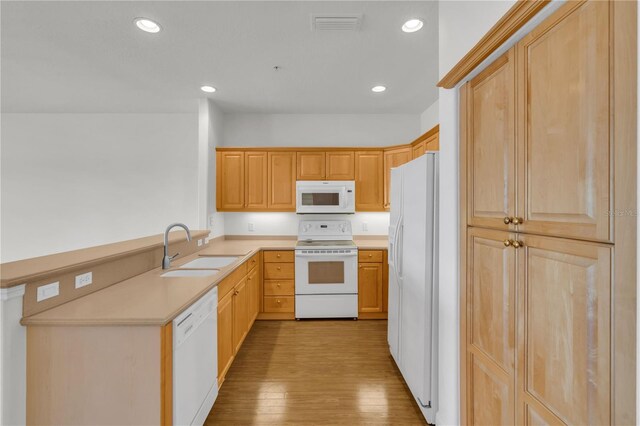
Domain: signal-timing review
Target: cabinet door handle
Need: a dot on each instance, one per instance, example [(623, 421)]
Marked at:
[(278, 268), (277, 300), (278, 284), (278, 255), (507, 220), (517, 244), (507, 243), (517, 220)]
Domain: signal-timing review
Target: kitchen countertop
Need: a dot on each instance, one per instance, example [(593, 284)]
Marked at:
[(149, 299)]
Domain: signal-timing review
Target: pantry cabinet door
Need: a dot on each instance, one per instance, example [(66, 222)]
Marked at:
[(282, 181), (490, 328), (370, 287), (310, 166), (225, 335), (240, 314), (393, 158), (564, 337), (230, 180), (565, 137), (256, 172), (340, 165), (369, 181), (490, 145)]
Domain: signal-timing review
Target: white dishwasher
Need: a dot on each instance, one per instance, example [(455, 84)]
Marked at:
[(195, 361)]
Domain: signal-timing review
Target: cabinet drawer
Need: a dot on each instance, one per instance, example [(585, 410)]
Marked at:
[(278, 256), (279, 288), (279, 271), (279, 303), (370, 256), (253, 261)]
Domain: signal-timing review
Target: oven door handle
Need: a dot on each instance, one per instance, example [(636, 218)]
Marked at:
[(326, 254)]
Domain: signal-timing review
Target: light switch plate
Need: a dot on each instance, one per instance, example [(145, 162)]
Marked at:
[(365, 226), (251, 227), (48, 291), (84, 279), (200, 242)]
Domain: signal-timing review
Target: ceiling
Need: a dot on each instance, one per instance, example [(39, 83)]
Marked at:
[(88, 56)]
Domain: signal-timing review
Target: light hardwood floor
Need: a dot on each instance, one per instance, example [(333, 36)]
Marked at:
[(315, 372)]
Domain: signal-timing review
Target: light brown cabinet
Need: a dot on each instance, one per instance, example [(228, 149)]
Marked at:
[(256, 176), (230, 180), (340, 165), (248, 179), (226, 347), (393, 158), (278, 287), (253, 288), (311, 165), (491, 139), (369, 181), (282, 181), (565, 168), (370, 287), (546, 334), (239, 301), (325, 165), (372, 284)]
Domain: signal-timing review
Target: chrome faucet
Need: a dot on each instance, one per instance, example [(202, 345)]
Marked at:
[(166, 260)]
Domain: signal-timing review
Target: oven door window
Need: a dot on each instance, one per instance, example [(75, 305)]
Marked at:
[(321, 199), (326, 272)]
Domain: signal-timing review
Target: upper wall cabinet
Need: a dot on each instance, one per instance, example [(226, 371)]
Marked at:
[(282, 181), (393, 158), (256, 177), (230, 187), (325, 165), (490, 135), (311, 165), (565, 163), (340, 165), (369, 181)]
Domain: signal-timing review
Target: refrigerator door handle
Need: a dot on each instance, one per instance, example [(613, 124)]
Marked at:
[(398, 259)]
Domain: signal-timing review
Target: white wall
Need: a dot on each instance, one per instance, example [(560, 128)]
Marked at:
[(461, 25), (70, 181), (287, 223), (430, 117), (210, 122), (320, 129)]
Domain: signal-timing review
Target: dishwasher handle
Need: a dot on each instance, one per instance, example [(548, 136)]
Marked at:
[(188, 321)]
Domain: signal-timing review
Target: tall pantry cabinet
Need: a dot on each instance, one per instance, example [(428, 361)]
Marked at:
[(548, 235)]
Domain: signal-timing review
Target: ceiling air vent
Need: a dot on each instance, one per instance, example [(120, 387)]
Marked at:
[(336, 22)]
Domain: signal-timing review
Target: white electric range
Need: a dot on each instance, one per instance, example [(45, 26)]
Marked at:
[(326, 270)]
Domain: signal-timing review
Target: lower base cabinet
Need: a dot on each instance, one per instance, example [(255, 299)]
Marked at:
[(372, 284), (238, 307), (555, 366)]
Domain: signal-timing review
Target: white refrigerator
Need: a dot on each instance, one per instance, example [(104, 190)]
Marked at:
[(413, 278)]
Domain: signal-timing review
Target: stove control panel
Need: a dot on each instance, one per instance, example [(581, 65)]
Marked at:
[(324, 230)]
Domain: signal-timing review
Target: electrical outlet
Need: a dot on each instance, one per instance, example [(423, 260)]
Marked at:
[(365, 226), (200, 242), (251, 227), (84, 279), (211, 220), (48, 291)]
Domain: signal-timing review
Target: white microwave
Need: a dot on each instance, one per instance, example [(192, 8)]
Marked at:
[(313, 196)]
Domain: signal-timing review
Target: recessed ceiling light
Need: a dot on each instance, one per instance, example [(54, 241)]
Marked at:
[(378, 89), (208, 89), (412, 25), (147, 25)]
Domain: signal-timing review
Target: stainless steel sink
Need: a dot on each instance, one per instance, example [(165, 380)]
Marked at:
[(210, 262), (190, 273)]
